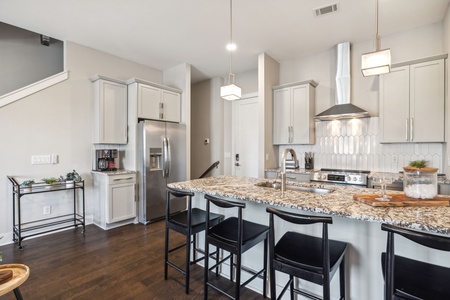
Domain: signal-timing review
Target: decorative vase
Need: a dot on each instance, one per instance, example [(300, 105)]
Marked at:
[(70, 184)]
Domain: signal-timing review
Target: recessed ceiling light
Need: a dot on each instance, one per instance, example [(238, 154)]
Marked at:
[(231, 47)]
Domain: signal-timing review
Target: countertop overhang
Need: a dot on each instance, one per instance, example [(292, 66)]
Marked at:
[(340, 203)]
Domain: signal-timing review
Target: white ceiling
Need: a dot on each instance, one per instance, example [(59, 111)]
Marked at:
[(166, 33)]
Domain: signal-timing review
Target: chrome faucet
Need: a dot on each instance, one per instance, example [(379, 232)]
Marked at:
[(283, 166)]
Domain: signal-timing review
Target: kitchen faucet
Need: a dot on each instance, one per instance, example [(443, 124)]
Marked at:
[(283, 166)]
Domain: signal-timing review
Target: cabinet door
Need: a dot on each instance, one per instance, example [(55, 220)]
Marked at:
[(122, 204), (171, 106), (149, 99), (281, 116), (300, 115), (111, 115), (427, 102), (394, 106)]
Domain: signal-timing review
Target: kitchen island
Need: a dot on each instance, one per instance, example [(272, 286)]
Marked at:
[(353, 222)]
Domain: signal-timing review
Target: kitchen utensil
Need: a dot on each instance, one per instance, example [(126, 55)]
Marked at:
[(309, 160)]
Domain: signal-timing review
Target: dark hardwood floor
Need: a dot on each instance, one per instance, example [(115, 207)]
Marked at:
[(122, 263)]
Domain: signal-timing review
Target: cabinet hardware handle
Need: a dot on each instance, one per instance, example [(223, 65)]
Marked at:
[(406, 132), (292, 134), (120, 179), (287, 177), (411, 128), (290, 130)]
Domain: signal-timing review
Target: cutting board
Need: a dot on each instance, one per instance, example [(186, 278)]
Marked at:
[(400, 200)]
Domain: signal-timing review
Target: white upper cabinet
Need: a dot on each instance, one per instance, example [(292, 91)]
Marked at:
[(412, 103), (110, 111), (293, 113), (156, 102)]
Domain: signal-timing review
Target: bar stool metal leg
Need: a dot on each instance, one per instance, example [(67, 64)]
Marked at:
[(18, 294)]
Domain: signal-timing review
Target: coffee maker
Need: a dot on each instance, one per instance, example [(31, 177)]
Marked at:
[(106, 159)]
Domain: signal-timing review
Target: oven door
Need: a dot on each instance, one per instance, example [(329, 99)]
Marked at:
[(395, 186)]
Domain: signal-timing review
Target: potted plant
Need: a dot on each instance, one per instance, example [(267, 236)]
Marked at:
[(71, 178), (50, 181), (419, 180), (26, 185)]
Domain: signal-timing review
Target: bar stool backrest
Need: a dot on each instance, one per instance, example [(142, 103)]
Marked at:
[(226, 204), (301, 220), (423, 238)]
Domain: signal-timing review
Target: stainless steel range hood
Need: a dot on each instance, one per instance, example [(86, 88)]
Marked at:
[(343, 108)]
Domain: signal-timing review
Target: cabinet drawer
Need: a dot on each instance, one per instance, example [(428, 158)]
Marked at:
[(299, 177), (124, 178)]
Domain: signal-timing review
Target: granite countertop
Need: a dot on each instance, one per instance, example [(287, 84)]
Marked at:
[(338, 203), (117, 172)]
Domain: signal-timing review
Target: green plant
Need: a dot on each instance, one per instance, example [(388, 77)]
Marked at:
[(72, 176), (418, 163), (50, 180), (27, 183)]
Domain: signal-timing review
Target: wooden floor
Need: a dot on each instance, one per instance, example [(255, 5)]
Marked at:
[(121, 263)]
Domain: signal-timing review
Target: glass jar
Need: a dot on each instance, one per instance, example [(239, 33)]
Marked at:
[(420, 183)]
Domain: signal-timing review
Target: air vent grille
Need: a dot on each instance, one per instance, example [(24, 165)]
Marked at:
[(326, 10)]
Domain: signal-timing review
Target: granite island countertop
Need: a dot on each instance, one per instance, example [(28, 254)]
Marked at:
[(338, 203)]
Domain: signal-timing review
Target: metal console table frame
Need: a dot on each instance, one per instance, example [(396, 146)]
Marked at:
[(28, 229)]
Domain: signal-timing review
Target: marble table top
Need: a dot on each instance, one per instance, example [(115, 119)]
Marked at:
[(338, 203)]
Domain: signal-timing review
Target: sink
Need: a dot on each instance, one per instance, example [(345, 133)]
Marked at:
[(290, 187)]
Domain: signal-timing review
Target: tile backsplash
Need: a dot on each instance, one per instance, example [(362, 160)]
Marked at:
[(354, 144)]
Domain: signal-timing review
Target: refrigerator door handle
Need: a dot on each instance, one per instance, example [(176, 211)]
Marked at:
[(166, 157)]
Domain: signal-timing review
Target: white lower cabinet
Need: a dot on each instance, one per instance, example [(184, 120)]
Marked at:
[(115, 196)]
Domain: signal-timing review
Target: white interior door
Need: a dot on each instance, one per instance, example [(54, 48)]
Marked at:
[(245, 137)]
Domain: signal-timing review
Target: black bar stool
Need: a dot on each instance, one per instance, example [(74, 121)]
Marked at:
[(188, 222), (236, 236), (407, 278), (306, 257)]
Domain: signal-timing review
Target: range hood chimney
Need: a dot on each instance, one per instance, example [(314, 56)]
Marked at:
[(343, 108)]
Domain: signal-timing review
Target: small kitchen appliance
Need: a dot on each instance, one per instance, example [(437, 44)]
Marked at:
[(107, 159), (340, 176)]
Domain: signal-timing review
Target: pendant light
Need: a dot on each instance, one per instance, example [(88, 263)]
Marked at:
[(377, 62), (231, 91)]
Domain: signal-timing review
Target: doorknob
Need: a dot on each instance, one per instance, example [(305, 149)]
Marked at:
[(237, 164)]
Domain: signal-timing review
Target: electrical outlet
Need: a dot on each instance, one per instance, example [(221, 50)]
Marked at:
[(40, 159), (394, 158), (47, 210)]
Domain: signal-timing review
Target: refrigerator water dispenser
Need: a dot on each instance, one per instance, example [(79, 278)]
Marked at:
[(155, 159)]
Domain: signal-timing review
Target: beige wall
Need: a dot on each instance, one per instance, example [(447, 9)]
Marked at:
[(57, 120)]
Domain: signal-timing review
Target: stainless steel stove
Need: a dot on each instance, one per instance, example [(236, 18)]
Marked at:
[(340, 176)]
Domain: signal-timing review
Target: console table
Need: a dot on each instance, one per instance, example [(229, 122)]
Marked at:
[(22, 230)]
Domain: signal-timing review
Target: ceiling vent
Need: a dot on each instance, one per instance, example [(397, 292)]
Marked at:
[(326, 10)]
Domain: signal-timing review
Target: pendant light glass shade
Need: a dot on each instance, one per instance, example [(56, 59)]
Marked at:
[(231, 91), (377, 62)]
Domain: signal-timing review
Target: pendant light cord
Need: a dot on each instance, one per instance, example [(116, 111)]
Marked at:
[(231, 75), (377, 37)]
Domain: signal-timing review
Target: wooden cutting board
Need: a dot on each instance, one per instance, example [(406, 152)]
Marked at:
[(400, 200)]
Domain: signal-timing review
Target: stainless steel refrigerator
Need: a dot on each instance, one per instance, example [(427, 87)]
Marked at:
[(161, 160)]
